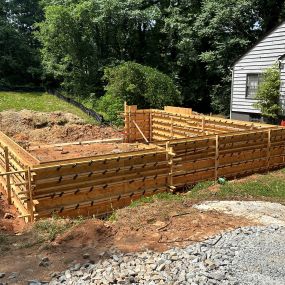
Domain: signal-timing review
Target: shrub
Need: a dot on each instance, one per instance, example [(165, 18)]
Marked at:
[(141, 85), (268, 93), (110, 107)]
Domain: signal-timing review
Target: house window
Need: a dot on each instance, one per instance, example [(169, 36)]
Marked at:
[(252, 83)]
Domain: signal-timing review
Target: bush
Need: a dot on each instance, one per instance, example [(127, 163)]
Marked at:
[(268, 93), (110, 107), (141, 85)]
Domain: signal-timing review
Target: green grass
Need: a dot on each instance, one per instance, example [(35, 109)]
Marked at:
[(38, 101), (268, 186)]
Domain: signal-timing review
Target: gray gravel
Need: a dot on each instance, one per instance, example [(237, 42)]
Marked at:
[(266, 213), (252, 255)]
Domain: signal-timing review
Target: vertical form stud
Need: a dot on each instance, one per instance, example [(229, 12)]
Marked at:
[(8, 178), (29, 190), (217, 158), (268, 149)]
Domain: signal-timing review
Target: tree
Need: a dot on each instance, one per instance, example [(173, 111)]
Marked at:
[(141, 85), (268, 93), (226, 30), (80, 38), (19, 56)]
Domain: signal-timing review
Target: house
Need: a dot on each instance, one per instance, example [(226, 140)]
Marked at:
[(246, 74)]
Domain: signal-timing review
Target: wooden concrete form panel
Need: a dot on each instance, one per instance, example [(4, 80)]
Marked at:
[(101, 207), (134, 118), (188, 149), (69, 187), (238, 155), (14, 160)]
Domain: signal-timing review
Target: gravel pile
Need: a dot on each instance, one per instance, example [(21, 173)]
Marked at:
[(266, 213), (252, 255)]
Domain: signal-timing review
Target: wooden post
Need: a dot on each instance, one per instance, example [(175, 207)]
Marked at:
[(268, 149), (29, 191), (172, 127), (169, 158), (217, 158), (203, 124), (150, 125), (8, 180), (127, 123)]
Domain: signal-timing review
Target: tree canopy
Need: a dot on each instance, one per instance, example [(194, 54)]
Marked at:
[(69, 43)]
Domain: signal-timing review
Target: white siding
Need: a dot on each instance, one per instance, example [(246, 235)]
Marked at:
[(260, 57)]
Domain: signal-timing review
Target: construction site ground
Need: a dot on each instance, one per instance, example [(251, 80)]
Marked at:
[(86, 150), (156, 224)]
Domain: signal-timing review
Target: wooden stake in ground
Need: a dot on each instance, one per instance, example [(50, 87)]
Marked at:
[(217, 158), (8, 181), (29, 190), (268, 148)]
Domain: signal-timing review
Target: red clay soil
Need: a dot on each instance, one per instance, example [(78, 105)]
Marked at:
[(76, 151), (32, 128), (157, 226), (9, 221)]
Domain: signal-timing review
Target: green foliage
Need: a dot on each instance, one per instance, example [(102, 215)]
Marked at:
[(268, 93), (141, 85), (113, 217), (193, 42), (48, 229), (19, 54), (38, 101), (110, 107), (222, 27), (79, 38)]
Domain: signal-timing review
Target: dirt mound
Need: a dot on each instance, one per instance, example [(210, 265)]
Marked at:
[(91, 233), (29, 127), (157, 226)]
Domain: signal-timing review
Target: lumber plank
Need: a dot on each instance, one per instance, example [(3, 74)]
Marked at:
[(100, 209), (121, 185), (99, 164)]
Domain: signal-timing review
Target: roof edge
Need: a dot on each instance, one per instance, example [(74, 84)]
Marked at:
[(260, 40)]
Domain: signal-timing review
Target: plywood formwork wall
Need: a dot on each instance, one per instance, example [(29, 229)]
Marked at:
[(137, 122), (187, 148), (16, 161), (178, 123), (232, 155), (206, 147), (100, 185)]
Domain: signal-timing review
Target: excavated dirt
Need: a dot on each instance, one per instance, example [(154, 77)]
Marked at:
[(36, 128), (157, 226), (75, 151), (9, 221), (37, 132)]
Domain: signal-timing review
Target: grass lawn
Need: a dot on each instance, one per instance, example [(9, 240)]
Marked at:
[(268, 187), (38, 101)]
